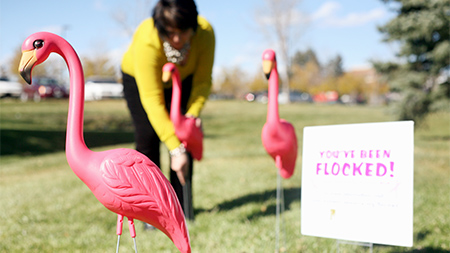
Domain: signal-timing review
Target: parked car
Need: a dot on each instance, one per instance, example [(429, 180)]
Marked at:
[(43, 87), (101, 88), (260, 96), (327, 97), (294, 96), (9, 88), (298, 96)]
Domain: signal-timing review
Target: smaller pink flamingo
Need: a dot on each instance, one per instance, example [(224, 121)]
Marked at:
[(278, 135), (123, 180), (187, 129)]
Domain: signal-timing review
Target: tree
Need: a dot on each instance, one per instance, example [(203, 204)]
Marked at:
[(232, 82), (281, 20), (350, 84), (334, 67), (258, 83), (98, 66), (306, 78), (302, 58), (130, 15), (422, 78)]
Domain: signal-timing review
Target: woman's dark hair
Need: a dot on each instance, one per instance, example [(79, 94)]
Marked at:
[(179, 14)]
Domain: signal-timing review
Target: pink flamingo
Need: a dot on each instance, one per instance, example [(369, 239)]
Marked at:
[(278, 135), (187, 129), (123, 180)]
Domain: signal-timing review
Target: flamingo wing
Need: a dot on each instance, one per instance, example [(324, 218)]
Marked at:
[(281, 143), (288, 159), (140, 190), (191, 136)]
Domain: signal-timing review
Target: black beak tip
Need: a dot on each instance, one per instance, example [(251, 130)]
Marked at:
[(268, 75), (26, 76)]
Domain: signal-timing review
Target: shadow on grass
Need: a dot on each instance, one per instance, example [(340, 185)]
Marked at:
[(398, 249), (33, 142), (426, 250), (290, 195)]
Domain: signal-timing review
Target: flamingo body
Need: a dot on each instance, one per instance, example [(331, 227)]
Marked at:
[(123, 180), (186, 128), (278, 136)]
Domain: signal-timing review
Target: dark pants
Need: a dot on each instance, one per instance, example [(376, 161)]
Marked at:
[(145, 137)]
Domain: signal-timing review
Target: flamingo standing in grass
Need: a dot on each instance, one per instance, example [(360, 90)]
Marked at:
[(187, 129), (278, 135), (123, 180)]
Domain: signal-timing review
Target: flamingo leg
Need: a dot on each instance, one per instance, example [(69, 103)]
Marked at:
[(118, 243), (135, 246), (186, 199), (279, 212), (187, 195), (132, 232), (283, 223), (119, 230)]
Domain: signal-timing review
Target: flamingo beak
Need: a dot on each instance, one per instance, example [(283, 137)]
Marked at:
[(27, 63), (267, 67), (166, 76)]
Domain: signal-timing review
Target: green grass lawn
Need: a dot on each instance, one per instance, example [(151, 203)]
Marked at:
[(44, 207)]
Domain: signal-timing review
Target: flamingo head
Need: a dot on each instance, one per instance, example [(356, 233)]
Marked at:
[(168, 69), (35, 50), (269, 62)]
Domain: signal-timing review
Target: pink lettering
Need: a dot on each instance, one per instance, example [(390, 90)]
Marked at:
[(333, 170), (375, 153), (392, 169), (346, 166), (331, 154), (368, 170), (349, 154), (357, 169), (381, 167), (363, 154)]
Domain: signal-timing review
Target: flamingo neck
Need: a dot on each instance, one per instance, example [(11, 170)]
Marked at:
[(76, 149), (175, 111), (272, 107)]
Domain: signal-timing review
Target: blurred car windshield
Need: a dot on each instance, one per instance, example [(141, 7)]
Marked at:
[(102, 80), (45, 81)]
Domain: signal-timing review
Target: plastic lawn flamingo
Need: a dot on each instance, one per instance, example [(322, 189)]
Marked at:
[(278, 136), (123, 180), (187, 129)]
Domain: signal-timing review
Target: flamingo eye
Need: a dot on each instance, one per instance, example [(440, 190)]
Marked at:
[(38, 44)]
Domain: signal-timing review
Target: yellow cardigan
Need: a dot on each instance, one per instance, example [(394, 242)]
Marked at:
[(144, 60)]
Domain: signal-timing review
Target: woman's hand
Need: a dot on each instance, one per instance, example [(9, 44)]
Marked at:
[(180, 164), (198, 121)]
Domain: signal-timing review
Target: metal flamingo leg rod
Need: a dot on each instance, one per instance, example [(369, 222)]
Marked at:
[(279, 212), (187, 195), (119, 230), (186, 199), (132, 232), (283, 223)]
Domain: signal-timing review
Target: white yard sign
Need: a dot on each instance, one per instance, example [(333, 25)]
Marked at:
[(357, 182)]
